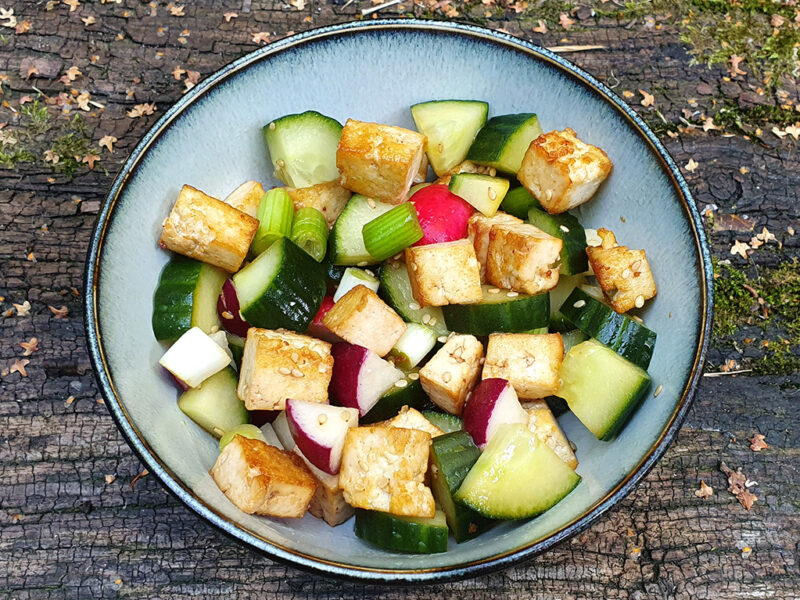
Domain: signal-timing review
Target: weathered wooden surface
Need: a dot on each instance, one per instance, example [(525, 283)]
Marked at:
[(69, 531)]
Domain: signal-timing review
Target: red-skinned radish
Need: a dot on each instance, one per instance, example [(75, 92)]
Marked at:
[(317, 329), (491, 404), (442, 215), (319, 431), (228, 310), (360, 377)]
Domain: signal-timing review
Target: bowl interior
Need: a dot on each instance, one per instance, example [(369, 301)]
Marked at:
[(215, 144)]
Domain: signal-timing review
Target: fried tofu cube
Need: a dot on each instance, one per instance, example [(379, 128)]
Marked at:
[(546, 429), (445, 273), (280, 364), (379, 161), (328, 502), (328, 198), (530, 362), (522, 258), (361, 317), (422, 174), (208, 230), (465, 167), (383, 468), (246, 197), (561, 171), (450, 375), (624, 274), (411, 418), (263, 480), (478, 228)]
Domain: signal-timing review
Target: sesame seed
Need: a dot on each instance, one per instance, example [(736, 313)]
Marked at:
[(371, 203), (636, 264), (579, 304), (426, 318), (492, 171), (272, 126), (446, 376), (400, 383), (322, 368), (492, 194), (295, 357), (626, 274), (658, 391), (494, 291), (442, 339), (322, 419), (414, 266), (433, 321), (368, 272), (281, 163), (512, 294), (413, 376), (363, 263), (227, 315), (284, 371), (639, 302), (413, 306), (297, 373), (564, 228)]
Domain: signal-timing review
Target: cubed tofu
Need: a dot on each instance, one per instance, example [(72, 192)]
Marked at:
[(361, 317), (465, 167), (530, 362), (445, 273), (450, 375), (277, 365), (478, 228), (328, 198), (624, 274), (379, 161), (208, 230), (522, 258), (422, 174), (328, 502), (263, 480), (561, 171), (246, 197), (383, 468), (411, 418), (546, 429)]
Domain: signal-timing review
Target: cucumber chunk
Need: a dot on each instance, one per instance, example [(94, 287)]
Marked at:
[(302, 148), (572, 338), (566, 227), (516, 477), (283, 287), (566, 283), (396, 291), (402, 534), (502, 142), (353, 277), (483, 192), (451, 127), (601, 388), (346, 241), (409, 394), (247, 430), (214, 405), (626, 337), (452, 456), (518, 202), (499, 311), (444, 421), (186, 297)]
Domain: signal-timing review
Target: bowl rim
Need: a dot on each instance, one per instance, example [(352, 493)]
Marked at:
[(339, 569)]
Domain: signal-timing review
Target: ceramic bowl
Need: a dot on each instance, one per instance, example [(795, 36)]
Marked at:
[(374, 71)]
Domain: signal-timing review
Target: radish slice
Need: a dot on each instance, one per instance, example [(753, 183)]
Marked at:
[(319, 431), (360, 377), (317, 329), (228, 310), (492, 403), (442, 215), (194, 357)]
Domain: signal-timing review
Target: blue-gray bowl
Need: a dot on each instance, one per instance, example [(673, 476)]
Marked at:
[(374, 71)]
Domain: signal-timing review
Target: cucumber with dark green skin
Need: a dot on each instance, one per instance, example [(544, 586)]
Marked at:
[(395, 398), (402, 534), (444, 421), (395, 289), (499, 312), (626, 337), (518, 202), (186, 297), (283, 287), (452, 456), (236, 345), (503, 141), (566, 227), (214, 404)]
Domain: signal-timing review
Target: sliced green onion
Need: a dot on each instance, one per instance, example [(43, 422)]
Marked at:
[(353, 277), (310, 232), (414, 345), (392, 232), (275, 214)]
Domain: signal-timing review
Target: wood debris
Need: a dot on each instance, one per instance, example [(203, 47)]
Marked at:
[(32, 346), (757, 443), (705, 491), (738, 486), (18, 366)]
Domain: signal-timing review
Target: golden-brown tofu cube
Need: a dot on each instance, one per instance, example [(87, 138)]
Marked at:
[(246, 197), (263, 480), (522, 258), (361, 317), (277, 365), (478, 228), (208, 230), (411, 418), (465, 167), (546, 429), (624, 274), (328, 198), (383, 468), (561, 171), (450, 375), (328, 502), (529, 362), (445, 273), (379, 161)]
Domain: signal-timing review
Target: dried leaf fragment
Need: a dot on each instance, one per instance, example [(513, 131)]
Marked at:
[(565, 21), (32, 346), (23, 309), (738, 484), (59, 313), (140, 110), (735, 61), (692, 165), (740, 248), (261, 37), (757, 443), (647, 99), (23, 27), (176, 10), (90, 159), (73, 4), (177, 72), (110, 479), (541, 27), (705, 491), (107, 142), (18, 366), (144, 473), (230, 15)]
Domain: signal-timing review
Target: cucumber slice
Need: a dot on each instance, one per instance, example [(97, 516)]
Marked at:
[(451, 127), (186, 297), (402, 534), (516, 477), (572, 338), (499, 311), (353, 277), (518, 202), (452, 456), (566, 227), (214, 405), (346, 241), (482, 191), (626, 337), (236, 346), (414, 345), (302, 148), (283, 287), (408, 394), (600, 387), (396, 291), (444, 421), (502, 142), (566, 283)]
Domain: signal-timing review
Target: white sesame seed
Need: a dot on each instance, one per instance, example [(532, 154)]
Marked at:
[(426, 318), (295, 357), (413, 376), (639, 302), (284, 371), (368, 272), (512, 294), (413, 306), (363, 263), (492, 194), (658, 391), (281, 163), (297, 373), (446, 376), (442, 339), (371, 203), (626, 274), (494, 291), (564, 228), (492, 171), (322, 419), (579, 304), (401, 383), (433, 321), (227, 315), (636, 264), (272, 126), (414, 266)]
